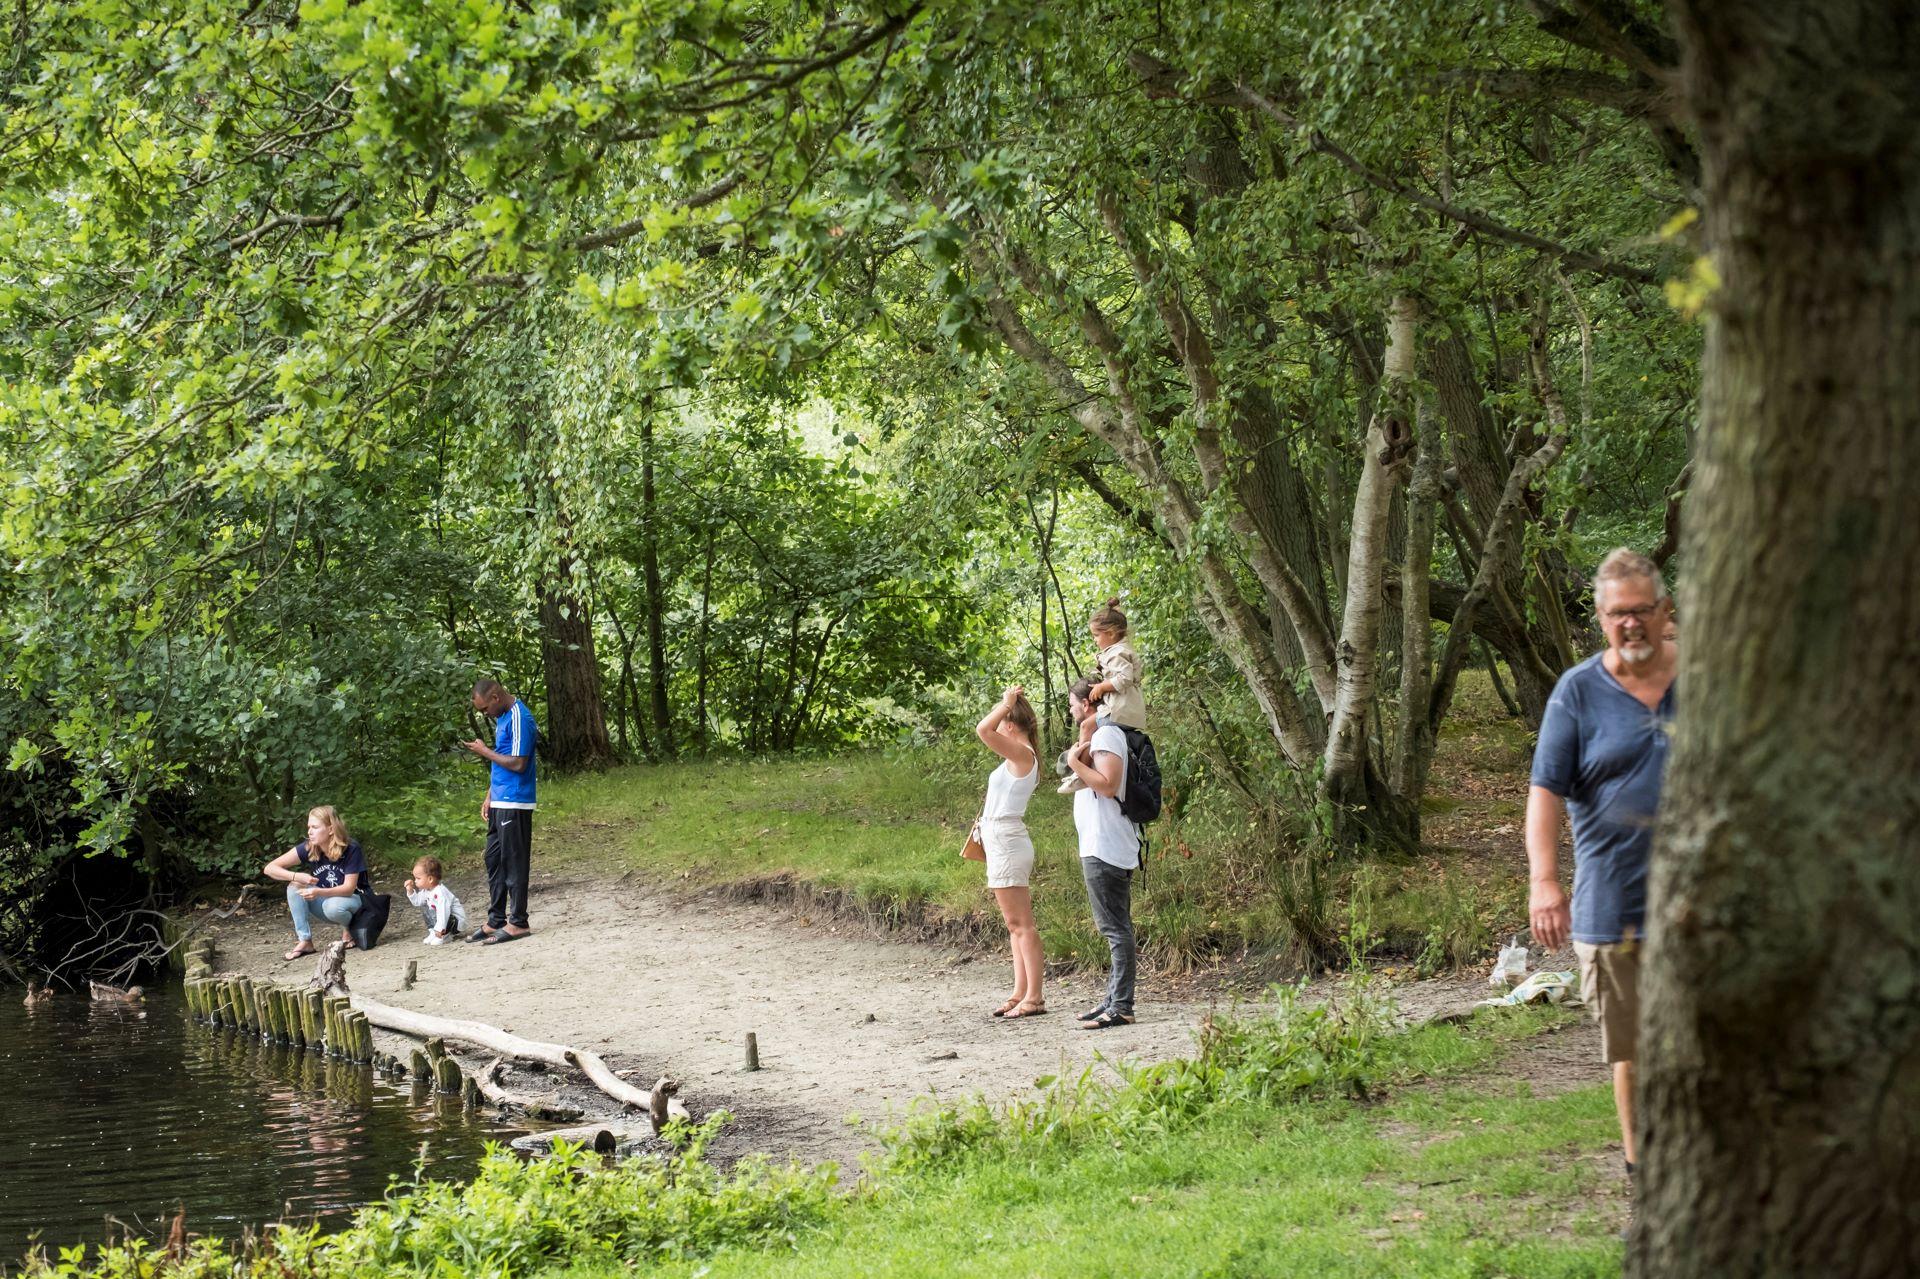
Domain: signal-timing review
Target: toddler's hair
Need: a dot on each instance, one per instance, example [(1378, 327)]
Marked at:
[(1108, 617), (431, 865)]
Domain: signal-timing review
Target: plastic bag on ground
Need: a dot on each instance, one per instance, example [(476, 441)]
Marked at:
[(1554, 988), (1510, 969)]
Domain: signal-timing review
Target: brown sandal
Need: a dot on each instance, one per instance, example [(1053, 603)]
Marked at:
[(1007, 1007), (1028, 1010), (304, 948)]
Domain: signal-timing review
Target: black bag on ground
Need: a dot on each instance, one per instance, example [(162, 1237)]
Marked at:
[(370, 919), (1140, 796)]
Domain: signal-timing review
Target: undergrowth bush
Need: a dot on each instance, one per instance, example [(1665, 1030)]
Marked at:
[(514, 1218), (1294, 1050)]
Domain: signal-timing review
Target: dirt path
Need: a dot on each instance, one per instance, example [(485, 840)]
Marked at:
[(847, 1024)]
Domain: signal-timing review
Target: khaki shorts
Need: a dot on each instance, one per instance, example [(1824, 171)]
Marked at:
[(1610, 985)]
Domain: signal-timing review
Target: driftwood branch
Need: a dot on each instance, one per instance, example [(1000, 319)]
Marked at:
[(600, 1138), (495, 1040), (487, 1081)]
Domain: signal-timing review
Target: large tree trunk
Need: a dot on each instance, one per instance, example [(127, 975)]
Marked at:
[(1780, 1088), (1481, 465), (576, 735)]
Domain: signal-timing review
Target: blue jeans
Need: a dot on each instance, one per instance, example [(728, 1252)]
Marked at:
[(339, 910)]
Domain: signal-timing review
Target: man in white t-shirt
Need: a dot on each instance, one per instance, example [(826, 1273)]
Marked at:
[(1109, 853)]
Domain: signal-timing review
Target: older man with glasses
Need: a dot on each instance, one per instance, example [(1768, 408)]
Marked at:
[(1602, 753)]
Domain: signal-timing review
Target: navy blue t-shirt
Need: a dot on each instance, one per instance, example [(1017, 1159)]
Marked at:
[(332, 874), (1605, 753)]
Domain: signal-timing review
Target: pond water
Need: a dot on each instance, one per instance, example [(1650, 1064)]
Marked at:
[(114, 1120)]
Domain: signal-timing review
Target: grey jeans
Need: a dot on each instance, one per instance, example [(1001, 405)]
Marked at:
[(1110, 892)]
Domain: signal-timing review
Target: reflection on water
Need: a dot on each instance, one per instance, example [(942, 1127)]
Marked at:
[(129, 1114)]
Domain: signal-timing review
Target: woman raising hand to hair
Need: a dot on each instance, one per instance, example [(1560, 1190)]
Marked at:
[(1011, 731)]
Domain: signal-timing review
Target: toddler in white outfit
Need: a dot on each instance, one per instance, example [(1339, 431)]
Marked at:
[(443, 912)]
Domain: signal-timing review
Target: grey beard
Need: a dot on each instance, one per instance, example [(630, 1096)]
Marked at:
[(1638, 651)]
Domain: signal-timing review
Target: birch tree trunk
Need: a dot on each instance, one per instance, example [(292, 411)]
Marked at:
[(1389, 435), (1780, 1084)]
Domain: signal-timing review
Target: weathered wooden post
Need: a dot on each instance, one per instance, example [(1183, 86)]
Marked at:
[(304, 1008), (337, 1008)]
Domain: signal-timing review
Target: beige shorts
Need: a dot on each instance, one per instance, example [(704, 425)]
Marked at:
[(1610, 985), (1009, 852)]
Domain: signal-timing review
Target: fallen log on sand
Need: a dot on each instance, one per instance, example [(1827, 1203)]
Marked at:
[(659, 1101), (487, 1080), (495, 1040), (599, 1138)]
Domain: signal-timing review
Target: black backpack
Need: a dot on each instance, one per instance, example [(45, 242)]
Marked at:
[(1140, 796)]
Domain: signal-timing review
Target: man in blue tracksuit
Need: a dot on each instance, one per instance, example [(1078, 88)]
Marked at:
[(507, 810)]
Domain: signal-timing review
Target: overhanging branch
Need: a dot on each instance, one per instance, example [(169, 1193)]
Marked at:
[(1162, 80)]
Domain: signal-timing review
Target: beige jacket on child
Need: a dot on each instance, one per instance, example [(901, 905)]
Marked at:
[(1125, 706)]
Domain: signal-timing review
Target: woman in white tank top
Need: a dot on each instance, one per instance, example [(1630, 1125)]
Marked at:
[(1012, 732)]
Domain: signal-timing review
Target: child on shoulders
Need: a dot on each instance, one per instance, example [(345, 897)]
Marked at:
[(1117, 697)]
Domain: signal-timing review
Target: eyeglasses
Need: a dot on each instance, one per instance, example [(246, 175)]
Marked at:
[(1638, 613)]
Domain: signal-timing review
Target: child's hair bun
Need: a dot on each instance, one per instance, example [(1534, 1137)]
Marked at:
[(1108, 617)]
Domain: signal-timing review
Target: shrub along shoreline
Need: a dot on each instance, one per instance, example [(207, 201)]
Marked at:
[(1287, 1144)]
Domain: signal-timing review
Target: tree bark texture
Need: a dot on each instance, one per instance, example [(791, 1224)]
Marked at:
[(1780, 1076), (576, 729)]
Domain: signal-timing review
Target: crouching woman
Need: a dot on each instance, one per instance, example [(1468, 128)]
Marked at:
[(324, 874)]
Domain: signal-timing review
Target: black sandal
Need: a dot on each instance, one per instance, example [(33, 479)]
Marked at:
[(1092, 1014), (1107, 1021)]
